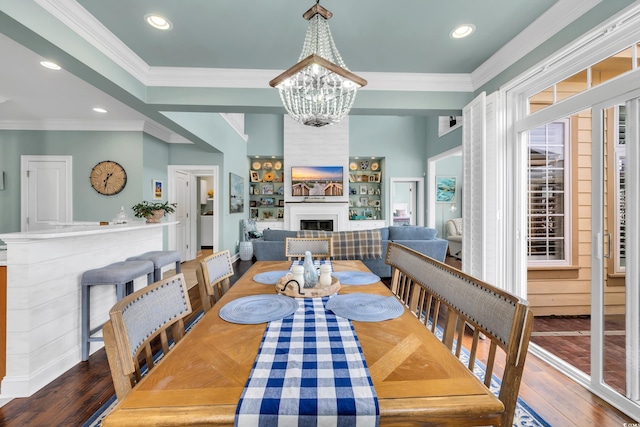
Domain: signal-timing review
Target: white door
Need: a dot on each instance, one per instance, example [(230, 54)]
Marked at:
[(46, 195), (183, 229)]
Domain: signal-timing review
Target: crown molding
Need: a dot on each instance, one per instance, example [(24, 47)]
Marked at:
[(560, 15), (63, 124), (78, 19), (418, 82), (258, 79), (145, 126)]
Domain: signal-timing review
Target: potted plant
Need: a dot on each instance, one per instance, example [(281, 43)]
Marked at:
[(153, 211)]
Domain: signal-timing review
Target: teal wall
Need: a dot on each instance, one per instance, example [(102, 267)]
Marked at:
[(266, 134), (232, 158), (86, 149)]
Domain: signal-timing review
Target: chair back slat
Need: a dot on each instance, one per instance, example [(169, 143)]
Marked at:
[(213, 274), (139, 320), (320, 247), (443, 297)]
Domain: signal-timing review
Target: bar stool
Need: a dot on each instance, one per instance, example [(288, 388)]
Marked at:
[(119, 274), (159, 260)]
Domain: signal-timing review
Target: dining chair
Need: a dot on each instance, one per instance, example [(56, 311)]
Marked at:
[(446, 300), (137, 329), (213, 274), (320, 247)]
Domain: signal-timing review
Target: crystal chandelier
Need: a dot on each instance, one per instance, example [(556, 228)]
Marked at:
[(319, 90)]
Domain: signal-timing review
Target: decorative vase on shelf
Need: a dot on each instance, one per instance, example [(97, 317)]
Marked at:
[(310, 274)]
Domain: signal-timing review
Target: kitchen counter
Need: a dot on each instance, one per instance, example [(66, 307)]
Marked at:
[(44, 271)]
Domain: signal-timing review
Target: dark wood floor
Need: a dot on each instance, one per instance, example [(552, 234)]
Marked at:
[(72, 398)]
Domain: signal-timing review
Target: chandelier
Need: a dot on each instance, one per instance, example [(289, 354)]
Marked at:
[(319, 90)]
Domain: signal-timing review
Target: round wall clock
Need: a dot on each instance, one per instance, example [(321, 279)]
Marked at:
[(108, 178)]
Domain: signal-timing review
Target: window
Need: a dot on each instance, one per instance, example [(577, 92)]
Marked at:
[(548, 195)]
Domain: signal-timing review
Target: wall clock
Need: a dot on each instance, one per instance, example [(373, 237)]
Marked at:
[(108, 178)]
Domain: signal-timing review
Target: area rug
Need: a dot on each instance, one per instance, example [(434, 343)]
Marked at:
[(524, 415)]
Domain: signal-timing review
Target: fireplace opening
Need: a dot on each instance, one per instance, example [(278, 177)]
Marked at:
[(316, 224)]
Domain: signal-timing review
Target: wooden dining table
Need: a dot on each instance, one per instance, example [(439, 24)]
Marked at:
[(418, 381)]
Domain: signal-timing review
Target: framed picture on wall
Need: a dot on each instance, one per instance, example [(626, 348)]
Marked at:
[(236, 193), (157, 189), (445, 189)]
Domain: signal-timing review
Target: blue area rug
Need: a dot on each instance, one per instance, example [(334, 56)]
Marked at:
[(524, 416)]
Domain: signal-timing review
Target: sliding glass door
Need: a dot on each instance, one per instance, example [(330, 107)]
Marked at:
[(615, 304)]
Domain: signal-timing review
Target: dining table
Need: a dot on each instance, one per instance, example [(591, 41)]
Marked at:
[(417, 380)]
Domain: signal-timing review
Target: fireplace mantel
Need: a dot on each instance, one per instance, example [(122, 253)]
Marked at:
[(338, 212)]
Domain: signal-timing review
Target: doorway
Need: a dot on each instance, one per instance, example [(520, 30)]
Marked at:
[(188, 239), (406, 201), (45, 193), (447, 164)]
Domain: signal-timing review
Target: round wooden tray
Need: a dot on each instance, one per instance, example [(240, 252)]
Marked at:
[(292, 290)]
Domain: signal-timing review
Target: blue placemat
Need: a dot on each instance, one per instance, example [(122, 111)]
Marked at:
[(258, 309), (355, 277), (269, 277), (365, 307)]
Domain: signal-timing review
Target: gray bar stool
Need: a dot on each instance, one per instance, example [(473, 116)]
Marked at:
[(119, 274), (159, 259)]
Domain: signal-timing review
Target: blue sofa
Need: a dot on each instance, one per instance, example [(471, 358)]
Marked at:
[(421, 239)]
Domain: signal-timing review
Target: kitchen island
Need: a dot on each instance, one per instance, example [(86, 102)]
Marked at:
[(44, 270)]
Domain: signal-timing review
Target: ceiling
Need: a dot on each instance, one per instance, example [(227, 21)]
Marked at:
[(219, 56)]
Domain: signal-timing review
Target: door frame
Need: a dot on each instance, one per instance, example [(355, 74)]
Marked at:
[(431, 182), (194, 171), (24, 186), (419, 198)]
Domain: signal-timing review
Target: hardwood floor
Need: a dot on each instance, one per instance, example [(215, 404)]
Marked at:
[(72, 398)]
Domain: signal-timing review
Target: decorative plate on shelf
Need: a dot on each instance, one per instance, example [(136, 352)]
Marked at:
[(374, 166), (267, 166), (277, 166), (353, 166), (269, 176), (256, 165), (364, 165)]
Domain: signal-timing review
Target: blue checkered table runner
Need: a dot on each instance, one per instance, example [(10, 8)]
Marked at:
[(310, 371)]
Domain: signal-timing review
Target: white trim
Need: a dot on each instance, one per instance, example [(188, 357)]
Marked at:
[(559, 16), (78, 19), (146, 126), (234, 125), (431, 182)]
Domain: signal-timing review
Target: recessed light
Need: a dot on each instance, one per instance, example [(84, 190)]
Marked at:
[(157, 21), (462, 31), (99, 110), (50, 65)]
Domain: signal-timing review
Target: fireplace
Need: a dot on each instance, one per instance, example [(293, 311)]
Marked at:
[(316, 224), (336, 213)]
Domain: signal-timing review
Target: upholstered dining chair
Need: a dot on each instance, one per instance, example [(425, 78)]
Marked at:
[(136, 324), (446, 300), (213, 274), (320, 247)]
